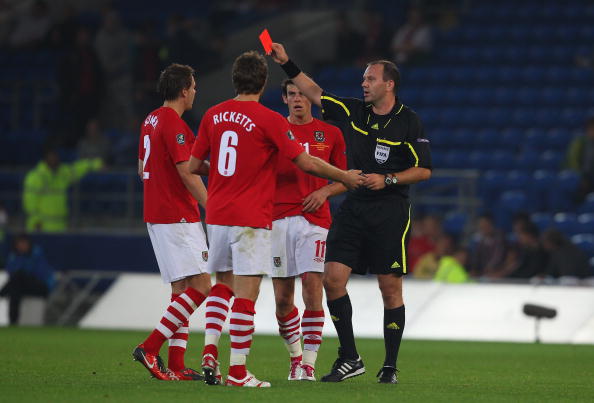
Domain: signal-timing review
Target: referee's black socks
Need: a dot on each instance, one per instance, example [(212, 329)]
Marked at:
[(341, 313), (393, 328)]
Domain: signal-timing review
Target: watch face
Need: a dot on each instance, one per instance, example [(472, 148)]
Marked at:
[(388, 180)]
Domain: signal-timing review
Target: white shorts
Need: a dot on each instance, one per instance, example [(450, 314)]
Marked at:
[(298, 247), (245, 250), (180, 249)]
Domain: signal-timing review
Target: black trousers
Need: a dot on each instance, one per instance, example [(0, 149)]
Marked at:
[(19, 285)]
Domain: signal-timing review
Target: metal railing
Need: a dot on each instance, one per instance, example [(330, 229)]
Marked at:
[(121, 207)]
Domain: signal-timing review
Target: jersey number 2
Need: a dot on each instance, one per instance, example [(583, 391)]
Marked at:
[(147, 152), (228, 153)]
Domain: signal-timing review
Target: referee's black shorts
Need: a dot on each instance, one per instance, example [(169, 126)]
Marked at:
[(370, 236)]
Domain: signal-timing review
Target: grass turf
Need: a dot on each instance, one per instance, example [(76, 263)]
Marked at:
[(63, 364)]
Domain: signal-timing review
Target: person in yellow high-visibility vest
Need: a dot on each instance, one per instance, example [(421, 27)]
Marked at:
[(45, 191)]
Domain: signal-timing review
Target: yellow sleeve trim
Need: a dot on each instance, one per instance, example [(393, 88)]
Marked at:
[(336, 101), (414, 153), (357, 129)]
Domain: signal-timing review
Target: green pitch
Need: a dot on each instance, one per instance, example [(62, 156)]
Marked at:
[(59, 365)]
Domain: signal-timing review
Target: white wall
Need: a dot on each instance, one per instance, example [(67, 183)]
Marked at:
[(433, 311)]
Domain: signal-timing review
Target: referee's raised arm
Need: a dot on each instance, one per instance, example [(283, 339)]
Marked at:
[(306, 85)]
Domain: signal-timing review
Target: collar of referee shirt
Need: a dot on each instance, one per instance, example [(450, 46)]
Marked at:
[(392, 114)]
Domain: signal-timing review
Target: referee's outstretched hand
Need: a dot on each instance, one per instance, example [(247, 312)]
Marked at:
[(279, 54)]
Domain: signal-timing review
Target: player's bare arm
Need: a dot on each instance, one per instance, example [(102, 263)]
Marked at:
[(192, 182), (316, 199), (320, 168), (140, 168), (306, 85), (407, 177), (199, 167)]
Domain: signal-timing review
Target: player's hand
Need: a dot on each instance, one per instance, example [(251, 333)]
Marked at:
[(374, 181), (314, 200), (279, 54), (353, 179)]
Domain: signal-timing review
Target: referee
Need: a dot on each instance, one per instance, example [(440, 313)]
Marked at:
[(385, 139)]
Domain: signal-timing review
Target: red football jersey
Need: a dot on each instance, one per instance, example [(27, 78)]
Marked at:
[(244, 140), (165, 140), (292, 185)]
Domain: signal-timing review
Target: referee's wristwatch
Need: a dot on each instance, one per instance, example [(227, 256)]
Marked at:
[(390, 180)]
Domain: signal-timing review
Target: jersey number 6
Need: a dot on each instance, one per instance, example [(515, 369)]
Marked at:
[(228, 153)]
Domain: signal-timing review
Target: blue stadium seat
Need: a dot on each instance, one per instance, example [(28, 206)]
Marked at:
[(588, 205), (542, 220), (585, 242), (586, 223), (539, 188), (551, 160), (491, 184), (501, 160), (566, 223), (454, 222), (528, 160), (478, 160), (562, 191), (517, 180), (510, 202)]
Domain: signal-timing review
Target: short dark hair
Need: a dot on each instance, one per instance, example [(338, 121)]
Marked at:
[(286, 82), (249, 73), (174, 79), (391, 72)]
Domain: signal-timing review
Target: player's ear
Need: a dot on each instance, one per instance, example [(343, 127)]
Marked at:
[(285, 99)]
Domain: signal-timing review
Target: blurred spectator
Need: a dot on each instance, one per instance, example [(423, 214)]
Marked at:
[(113, 45), (376, 38), (585, 61), (451, 267), (424, 234), (349, 42), (3, 225), (413, 42), (81, 83), (567, 262), (94, 144), (526, 258), (146, 64), (32, 27), (29, 275), (63, 34), (428, 264), (580, 158), (45, 191), (182, 47), (488, 248)]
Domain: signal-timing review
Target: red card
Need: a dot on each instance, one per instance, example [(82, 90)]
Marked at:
[(266, 41)]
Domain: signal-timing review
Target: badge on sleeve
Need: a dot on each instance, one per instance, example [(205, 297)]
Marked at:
[(381, 153), (181, 139), (290, 135)]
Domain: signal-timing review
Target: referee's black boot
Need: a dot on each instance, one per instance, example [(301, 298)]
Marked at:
[(344, 368), (387, 375)]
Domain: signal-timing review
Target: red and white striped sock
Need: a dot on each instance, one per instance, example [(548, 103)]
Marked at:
[(177, 313), (312, 325), (177, 345), (217, 309), (289, 329), (241, 328)]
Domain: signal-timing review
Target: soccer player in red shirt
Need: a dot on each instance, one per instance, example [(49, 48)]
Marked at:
[(245, 140), (173, 220), (301, 221)]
